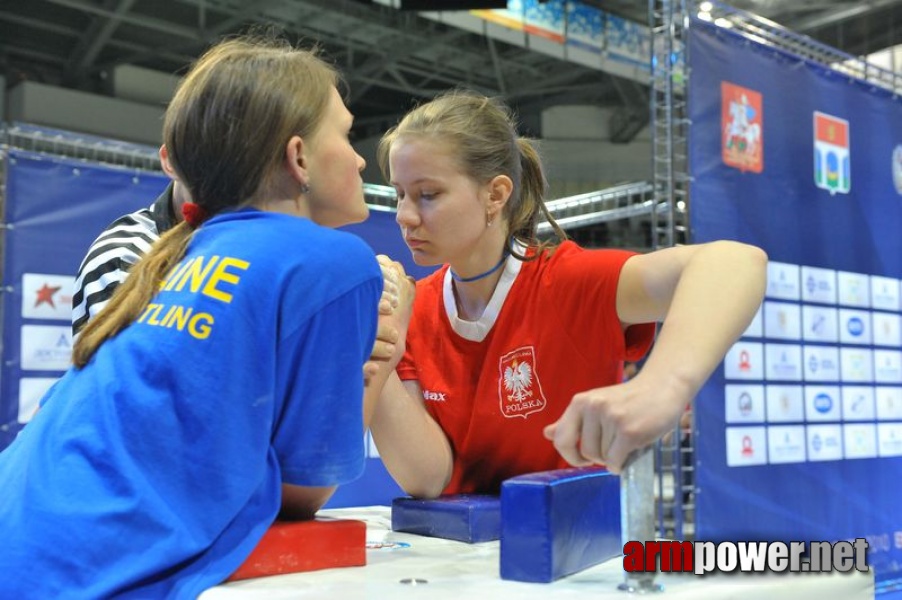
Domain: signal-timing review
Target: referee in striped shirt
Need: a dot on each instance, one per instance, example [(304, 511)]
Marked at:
[(118, 247)]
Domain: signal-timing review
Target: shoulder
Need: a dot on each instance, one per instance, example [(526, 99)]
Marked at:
[(123, 242), (333, 246), (570, 259), (265, 229), (570, 270), (304, 246), (137, 224)]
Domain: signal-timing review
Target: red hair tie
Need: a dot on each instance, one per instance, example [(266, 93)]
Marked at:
[(194, 214)]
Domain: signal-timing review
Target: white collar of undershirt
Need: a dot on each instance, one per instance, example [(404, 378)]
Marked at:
[(476, 331)]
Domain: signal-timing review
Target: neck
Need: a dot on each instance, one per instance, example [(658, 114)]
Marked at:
[(482, 275), (285, 205), (473, 294)]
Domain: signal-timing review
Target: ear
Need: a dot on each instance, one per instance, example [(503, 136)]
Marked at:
[(500, 189), (296, 160), (164, 162)]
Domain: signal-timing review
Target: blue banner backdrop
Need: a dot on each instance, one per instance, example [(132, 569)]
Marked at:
[(799, 432), (55, 207)]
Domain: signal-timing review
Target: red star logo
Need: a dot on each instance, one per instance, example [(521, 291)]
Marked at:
[(45, 294)]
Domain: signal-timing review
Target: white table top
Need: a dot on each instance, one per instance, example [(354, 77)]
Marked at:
[(449, 570)]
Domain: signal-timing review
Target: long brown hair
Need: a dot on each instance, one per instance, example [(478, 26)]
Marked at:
[(225, 131), (482, 133)]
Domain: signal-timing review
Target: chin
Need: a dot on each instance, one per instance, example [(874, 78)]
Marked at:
[(340, 219), (359, 216), (424, 260)]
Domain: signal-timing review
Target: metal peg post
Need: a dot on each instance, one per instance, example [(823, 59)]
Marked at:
[(637, 515)]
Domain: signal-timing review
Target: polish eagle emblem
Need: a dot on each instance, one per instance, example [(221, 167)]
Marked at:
[(519, 388), (517, 379)]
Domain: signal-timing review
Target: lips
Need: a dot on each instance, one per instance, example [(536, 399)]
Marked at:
[(414, 243)]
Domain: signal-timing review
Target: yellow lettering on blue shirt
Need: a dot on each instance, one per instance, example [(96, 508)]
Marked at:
[(175, 274), (150, 310), (200, 325), (214, 277), (198, 270), (220, 275)]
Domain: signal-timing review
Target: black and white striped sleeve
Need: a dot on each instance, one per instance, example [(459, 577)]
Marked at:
[(107, 263)]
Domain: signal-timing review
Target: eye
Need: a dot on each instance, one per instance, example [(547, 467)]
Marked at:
[(427, 196)]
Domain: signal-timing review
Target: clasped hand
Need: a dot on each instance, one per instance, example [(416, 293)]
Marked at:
[(394, 315)]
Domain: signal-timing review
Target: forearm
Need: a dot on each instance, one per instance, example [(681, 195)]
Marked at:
[(715, 299), (413, 447), (372, 390)]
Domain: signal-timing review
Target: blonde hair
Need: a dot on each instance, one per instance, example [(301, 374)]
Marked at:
[(481, 132), (225, 131)]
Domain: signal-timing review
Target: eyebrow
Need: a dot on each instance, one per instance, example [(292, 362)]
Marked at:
[(418, 181)]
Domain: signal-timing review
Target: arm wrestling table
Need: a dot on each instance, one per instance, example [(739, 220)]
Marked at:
[(402, 566)]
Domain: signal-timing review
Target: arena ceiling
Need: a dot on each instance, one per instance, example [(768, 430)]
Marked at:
[(391, 58)]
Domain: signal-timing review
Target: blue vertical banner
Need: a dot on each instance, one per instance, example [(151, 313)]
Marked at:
[(799, 432), (54, 209)]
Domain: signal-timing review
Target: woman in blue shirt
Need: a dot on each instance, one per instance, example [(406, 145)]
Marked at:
[(223, 384)]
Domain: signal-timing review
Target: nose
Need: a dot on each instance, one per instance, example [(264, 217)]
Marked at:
[(407, 215), (361, 162)]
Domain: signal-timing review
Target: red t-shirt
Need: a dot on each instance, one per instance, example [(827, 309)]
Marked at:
[(550, 331)]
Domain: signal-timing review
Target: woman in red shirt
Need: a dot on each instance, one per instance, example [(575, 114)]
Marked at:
[(515, 349)]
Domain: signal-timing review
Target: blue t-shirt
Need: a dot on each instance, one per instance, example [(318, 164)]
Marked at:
[(155, 470)]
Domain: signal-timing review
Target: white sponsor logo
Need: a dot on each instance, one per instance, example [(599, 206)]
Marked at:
[(854, 289), (824, 442), (887, 329), (744, 361), (819, 324), (822, 403), (856, 365), (47, 297), (858, 403), (860, 440), (821, 363), (744, 403), (889, 439), (746, 446), (854, 326), (786, 444), (781, 321), (888, 366), (885, 293), (784, 362), (818, 285), (889, 403), (434, 396), (783, 281), (46, 348), (785, 403)]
